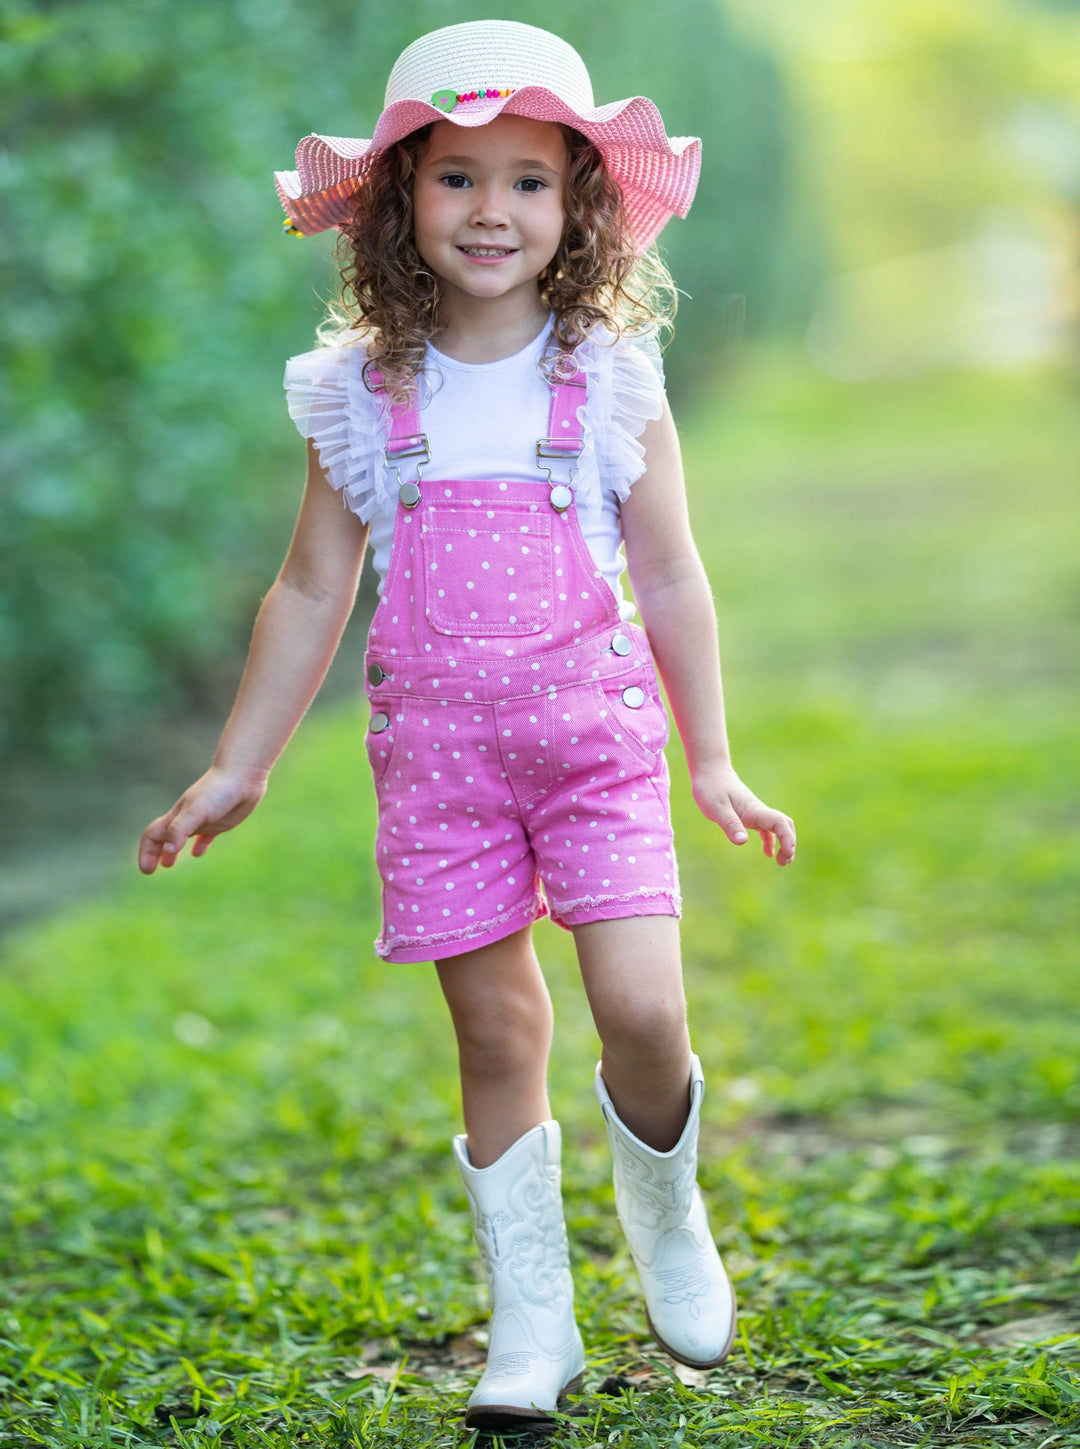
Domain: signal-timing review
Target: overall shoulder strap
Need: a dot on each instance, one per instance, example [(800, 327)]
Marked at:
[(405, 440), (565, 437)]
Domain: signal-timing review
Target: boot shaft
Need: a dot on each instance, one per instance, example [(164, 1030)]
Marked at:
[(653, 1189), (517, 1214)]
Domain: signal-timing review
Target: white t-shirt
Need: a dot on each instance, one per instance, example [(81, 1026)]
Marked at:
[(482, 420)]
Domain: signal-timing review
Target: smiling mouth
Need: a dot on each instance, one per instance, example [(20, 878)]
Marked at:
[(488, 251)]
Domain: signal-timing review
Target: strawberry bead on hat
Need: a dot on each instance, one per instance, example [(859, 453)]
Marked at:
[(468, 74)]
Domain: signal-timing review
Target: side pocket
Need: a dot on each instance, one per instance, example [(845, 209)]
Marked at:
[(382, 744), (645, 728)]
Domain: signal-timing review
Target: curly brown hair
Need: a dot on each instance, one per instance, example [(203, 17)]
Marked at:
[(390, 298)]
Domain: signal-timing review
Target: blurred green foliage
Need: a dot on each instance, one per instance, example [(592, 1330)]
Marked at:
[(151, 300), (922, 118)]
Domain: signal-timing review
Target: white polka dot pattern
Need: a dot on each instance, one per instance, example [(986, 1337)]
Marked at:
[(522, 772)]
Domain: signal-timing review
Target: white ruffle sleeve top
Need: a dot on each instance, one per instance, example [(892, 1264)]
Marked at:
[(482, 420)]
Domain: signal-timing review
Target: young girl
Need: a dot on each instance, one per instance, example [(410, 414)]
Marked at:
[(493, 418)]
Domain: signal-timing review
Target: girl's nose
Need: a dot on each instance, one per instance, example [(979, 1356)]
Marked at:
[(489, 208)]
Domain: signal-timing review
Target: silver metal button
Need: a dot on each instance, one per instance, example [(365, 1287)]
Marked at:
[(621, 644), (561, 497), (379, 722), (409, 494), (376, 674), (633, 696)]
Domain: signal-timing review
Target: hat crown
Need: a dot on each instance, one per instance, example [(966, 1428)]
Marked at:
[(489, 53)]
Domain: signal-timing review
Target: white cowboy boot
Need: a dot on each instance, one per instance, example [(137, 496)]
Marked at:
[(535, 1353), (690, 1304)]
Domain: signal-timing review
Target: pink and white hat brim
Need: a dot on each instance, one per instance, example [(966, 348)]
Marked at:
[(657, 174)]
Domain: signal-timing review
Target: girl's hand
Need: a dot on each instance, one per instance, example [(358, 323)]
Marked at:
[(215, 803), (722, 796)]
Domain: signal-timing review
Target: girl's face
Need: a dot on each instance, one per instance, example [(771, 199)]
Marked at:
[(495, 190)]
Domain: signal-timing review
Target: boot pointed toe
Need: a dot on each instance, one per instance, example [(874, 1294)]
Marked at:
[(699, 1340)]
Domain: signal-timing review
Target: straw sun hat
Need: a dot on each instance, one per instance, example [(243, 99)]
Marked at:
[(468, 74)]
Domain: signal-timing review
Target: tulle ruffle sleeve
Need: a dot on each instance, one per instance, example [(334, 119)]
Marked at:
[(625, 390), (329, 403)]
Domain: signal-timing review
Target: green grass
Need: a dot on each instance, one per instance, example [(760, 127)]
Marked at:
[(228, 1213)]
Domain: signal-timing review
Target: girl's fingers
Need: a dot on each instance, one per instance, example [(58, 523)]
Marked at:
[(162, 843), (177, 838), (151, 844), (776, 829), (785, 834), (731, 825), (781, 842)]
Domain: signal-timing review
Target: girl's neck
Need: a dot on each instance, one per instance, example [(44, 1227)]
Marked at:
[(476, 329)]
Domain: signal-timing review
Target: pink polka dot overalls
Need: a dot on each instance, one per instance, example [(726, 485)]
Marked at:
[(517, 731)]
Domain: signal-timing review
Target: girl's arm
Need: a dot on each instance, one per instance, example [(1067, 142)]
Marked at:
[(297, 631), (676, 606)]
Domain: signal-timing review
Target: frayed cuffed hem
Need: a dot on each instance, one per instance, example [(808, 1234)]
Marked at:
[(440, 944), (647, 901)]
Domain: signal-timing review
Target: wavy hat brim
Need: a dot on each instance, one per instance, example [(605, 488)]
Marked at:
[(657, 173)]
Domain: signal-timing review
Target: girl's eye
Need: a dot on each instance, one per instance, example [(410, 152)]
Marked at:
[(453, 177)]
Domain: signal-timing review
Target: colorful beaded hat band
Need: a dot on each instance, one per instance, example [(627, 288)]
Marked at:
[(447, 100), (544, 79)]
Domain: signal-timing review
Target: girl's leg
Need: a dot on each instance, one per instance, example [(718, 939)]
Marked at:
[(502, 1017), (650, 1085), (632, 970), (510, 1166)]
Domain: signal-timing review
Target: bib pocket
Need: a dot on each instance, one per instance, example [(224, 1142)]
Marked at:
[(643, 728), (487, 572)]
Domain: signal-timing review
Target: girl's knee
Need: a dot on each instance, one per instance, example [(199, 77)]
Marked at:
[(506, 1031), (502, 1012), (650, 1032), (632, 972)]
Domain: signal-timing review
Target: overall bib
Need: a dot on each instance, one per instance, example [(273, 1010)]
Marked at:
[(517, 731)]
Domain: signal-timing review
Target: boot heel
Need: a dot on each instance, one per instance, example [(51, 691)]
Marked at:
[(507, 1418)]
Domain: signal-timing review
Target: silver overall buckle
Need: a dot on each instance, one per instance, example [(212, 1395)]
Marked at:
[(415, 446), (545, 449), (561, 494)]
